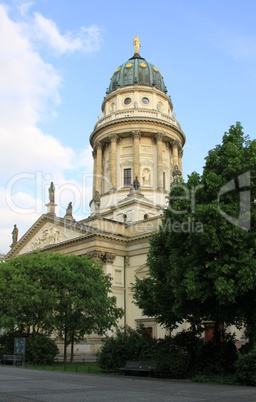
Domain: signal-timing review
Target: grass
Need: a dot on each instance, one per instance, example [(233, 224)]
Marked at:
[(219, 379), (76, 367)]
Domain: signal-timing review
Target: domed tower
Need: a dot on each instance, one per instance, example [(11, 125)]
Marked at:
[(137, 144)]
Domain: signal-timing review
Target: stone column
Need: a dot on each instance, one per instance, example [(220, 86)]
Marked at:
[(175, 153), (180, 153), (98, 186), (136, 153), (113, 173), (159, 143), (94, 172)]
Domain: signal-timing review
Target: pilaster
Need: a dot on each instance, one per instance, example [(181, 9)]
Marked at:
[(113, 172), (136, 153)]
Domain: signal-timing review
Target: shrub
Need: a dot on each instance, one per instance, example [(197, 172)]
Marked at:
[(127, 344), (219, 357), (246, 368), (177, 356), (40, 349)]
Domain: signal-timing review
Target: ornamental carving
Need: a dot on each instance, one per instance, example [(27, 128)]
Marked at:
[(146, 149), (52, 234), (97, 255), (136, 134), (146, 179), (159, 136), (176, 144), (113, 137), (127, 261), (98, 145), (108, 258)]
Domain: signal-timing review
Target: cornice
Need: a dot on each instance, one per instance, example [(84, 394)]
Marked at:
[(141, 120)]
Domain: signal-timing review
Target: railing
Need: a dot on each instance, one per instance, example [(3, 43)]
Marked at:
[(137, 113)]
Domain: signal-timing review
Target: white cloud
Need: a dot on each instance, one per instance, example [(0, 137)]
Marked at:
[(24, 8), (30, 90), (87, 39), (27, 83)]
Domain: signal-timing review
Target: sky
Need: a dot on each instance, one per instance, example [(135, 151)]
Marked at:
[(57, 57)]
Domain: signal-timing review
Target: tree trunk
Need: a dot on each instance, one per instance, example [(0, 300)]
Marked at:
[(251, 332), (65, 348), (72, 349)]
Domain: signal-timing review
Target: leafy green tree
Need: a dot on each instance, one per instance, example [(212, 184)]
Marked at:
[(202, 261), (51, 292), (84, 303), (27, 295)]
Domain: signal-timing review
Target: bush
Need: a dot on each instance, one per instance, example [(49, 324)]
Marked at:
[(40, 349), (177, 357), (219, 357), (181, 356), (246, 368), (127, 344)]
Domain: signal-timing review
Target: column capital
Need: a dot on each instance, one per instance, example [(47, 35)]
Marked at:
[(113, 137), (98, 145), (95, 254), (109, 258), (136, 134), (176, 143), (159, 136)]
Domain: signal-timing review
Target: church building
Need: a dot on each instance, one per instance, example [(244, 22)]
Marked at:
[(137, 152)]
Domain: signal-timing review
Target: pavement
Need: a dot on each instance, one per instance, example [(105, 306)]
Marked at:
[(19, 384)]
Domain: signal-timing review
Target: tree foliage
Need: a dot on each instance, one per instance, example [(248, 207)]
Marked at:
[(202, 261), (51, 292)]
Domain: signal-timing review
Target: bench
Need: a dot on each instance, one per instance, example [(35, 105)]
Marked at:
[(139, 366), (12, 359)]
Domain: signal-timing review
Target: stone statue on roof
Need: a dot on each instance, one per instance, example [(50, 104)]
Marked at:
[(136, 183), (15, 234)]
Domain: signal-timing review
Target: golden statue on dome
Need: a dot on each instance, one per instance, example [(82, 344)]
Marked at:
[(136, 43)]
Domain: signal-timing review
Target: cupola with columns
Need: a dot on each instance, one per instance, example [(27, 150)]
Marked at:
[(137, 144)]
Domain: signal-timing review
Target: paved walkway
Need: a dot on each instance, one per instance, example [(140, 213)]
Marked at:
[(25, 385)]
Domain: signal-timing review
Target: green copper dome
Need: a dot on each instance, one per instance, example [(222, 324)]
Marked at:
[(136, 71)]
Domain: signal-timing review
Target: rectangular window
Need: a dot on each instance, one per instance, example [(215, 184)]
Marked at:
[(127, 177), (164, 183)]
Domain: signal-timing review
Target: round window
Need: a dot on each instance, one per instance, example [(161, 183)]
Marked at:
[(127, 101), (145, 100)]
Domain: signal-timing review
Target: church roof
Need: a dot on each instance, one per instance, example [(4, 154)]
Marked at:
[(138, 71)]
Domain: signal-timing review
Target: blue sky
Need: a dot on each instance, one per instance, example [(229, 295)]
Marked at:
[(57, 58)]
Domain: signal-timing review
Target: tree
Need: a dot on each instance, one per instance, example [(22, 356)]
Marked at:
[(84, 304), (202, 262), (51, 292), (27, 295)]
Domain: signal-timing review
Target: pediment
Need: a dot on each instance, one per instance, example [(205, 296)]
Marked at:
[(48, 231), (49, 234)]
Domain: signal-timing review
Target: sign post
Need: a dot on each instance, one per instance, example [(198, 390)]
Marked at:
[(20, 348)]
